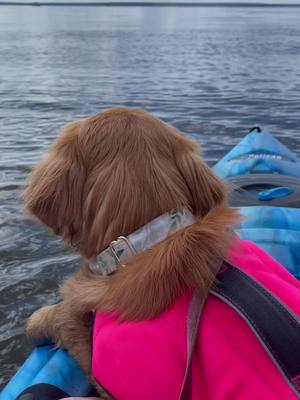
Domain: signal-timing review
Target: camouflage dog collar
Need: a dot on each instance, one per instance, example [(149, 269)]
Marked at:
[(144, 238)]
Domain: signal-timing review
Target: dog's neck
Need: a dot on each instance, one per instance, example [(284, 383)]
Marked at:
[(145, 237)]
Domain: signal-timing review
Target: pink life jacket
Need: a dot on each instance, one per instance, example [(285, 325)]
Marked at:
[(146, 359)]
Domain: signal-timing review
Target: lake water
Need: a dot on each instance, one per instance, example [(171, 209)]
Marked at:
[(212, 72)]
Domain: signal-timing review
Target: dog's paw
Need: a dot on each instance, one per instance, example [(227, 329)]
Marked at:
[(39, 324)]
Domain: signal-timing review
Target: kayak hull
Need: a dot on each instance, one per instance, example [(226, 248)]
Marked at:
[(48, 365), (258, 165), (259, 152)]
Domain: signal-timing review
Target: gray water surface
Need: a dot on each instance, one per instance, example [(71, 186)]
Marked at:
[(212, 72)]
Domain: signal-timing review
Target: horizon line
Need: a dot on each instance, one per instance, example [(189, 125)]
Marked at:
[(144, 4)]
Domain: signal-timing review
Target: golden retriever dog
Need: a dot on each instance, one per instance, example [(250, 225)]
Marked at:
[(104, 177)]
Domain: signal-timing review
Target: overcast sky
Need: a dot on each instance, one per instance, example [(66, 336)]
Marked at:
[(190, 1), (200, 1), (214, 1)]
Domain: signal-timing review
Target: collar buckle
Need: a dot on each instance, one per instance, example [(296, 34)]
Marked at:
[(115, 253)]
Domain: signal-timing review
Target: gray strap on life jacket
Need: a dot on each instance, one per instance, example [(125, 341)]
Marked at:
[(274, 324), (193, 320)]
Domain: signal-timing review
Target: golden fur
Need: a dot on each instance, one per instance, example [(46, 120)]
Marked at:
[(105, 176)]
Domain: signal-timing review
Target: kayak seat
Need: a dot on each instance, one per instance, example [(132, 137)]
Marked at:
[(281, 244), (266, 190), (270, 217)]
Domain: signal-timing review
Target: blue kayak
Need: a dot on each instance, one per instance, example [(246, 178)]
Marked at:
[(264, 179), (264, 182)]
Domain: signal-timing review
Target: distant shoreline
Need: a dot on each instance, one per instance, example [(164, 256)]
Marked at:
[(143, 4)]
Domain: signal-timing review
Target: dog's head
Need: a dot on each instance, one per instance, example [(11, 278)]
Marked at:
[(109, 174)]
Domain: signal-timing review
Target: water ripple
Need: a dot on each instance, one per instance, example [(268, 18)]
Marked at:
[(211, 73)]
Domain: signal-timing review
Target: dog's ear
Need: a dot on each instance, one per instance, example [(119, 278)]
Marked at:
[(206, 190), (54, 192)]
